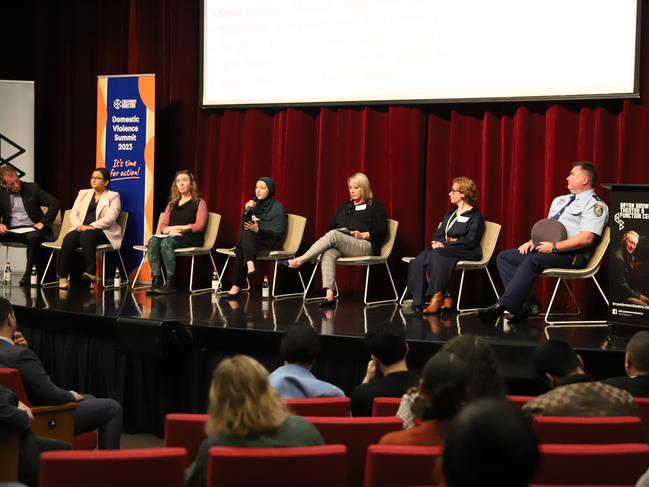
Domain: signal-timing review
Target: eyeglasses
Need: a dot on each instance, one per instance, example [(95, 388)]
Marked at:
[(95, 178), (455, 191)]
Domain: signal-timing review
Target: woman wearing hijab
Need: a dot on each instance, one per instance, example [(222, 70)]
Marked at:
[(263, 226)]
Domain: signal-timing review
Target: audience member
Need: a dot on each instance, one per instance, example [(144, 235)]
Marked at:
[(490, 443), (485, 378), (91, 413), (574, 393), (294, 380), (16, 416), (443, 391), (636, 365), (244, 411), (387, 373)]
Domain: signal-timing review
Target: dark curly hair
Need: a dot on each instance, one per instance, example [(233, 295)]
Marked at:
[(485, 378)]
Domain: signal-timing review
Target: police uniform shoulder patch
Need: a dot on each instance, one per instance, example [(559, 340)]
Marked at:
[(598, 210)]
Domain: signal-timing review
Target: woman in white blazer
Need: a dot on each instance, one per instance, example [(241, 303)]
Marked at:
[(94, 222)]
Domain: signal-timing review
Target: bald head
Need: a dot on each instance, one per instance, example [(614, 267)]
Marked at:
[(637, 354)]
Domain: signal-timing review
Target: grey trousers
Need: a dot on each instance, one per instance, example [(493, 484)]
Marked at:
[(332, 245)]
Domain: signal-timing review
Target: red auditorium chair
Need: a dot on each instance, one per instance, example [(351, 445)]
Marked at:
[(186, 431), (610, 464), (356, 434), (385, 406), (320, 406), (389, 465), (315, 466), (162, 467), (520, 400), (606, 429), (50, 421), (643, 407)]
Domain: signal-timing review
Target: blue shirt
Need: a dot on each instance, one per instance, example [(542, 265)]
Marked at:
[(296, 382), (586, 213)]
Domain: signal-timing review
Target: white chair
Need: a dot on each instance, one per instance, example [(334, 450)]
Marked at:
[(211, 231), (367, 261), (102, 249), (488, 245), (292, 240), (587, 272)]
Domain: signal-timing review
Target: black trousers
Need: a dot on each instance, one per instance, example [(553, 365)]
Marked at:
[(88, 242), (31, 448), (249, 246), (32, 240)]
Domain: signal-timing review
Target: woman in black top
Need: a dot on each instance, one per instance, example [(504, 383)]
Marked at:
[(182, 225), (358, 228), (457, 238), (263, 226)]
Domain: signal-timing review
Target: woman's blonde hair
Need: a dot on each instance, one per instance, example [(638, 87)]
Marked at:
[(242, 402), (363, 182), (467, 187), (174, 195)]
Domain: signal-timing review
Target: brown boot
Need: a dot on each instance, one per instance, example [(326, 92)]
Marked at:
[(435, 304), (447, 304)]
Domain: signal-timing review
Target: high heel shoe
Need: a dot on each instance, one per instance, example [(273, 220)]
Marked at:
[(447, 303), (233, 296)]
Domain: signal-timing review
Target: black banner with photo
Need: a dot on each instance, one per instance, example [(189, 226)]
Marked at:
[(628, 284)]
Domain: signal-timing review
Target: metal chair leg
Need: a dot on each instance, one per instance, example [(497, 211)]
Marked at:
[(574, 323), (383, 301), (49, 261), (286, 295)]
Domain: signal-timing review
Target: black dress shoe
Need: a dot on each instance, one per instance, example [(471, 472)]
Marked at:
[(328, 304), (491, 313), (283, 263), (251, 274), (530, 310)]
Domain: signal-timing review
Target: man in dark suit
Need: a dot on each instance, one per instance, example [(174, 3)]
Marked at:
[(636, 365), (16, 416), (20, 207), (91, 413)]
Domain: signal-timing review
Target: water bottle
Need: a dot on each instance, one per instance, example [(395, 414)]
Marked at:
[(117, 281), (6, 278), (265, 289), (215, 281), (33, 278)]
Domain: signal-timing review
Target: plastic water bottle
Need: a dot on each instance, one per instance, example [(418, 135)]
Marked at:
[(265, 289), (6, 277), (117, 281), (215, 281), (33, 278)]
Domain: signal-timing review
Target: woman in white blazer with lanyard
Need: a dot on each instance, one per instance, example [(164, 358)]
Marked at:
[(94, 222)]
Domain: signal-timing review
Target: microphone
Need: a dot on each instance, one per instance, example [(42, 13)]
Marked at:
[(247, 214)]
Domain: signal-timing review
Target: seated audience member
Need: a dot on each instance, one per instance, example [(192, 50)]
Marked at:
[(442, 393), (457, 238), (16, 416), (294, 380), (485, 378), (94, 222), (636, 365), (245, 412), (91, 413), (183, 223), (387, 373), (263, 226), (574, 393), (490, 443), (20, 207)]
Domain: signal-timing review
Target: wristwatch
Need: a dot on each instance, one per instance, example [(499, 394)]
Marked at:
[(554, 248)]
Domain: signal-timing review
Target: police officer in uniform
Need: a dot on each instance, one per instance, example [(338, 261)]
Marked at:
[(583, 214)]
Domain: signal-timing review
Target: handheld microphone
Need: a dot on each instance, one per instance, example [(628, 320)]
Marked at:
[(247, 214)]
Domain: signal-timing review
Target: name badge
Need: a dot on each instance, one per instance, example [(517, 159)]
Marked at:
[(462, 219), (254, 218), (361, 207)]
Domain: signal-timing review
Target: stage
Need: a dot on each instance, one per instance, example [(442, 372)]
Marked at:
[(155, 354)]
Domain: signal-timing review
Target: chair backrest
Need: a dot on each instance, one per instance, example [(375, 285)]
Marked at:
[(616, 464), (10, 378), (519, 401), (489, 240), (356, 434), (385, 406), (294, 233), (320, 406), (315, 466), (66, 225), (606, 429), (386, 248), (186, 431), (211, 229), (389, 465), (157, 228), (108, 468), (122, 220), (56, 224), (643, 408), (596, 259)]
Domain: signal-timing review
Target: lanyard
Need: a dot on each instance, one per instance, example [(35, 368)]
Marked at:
[(450, 223)]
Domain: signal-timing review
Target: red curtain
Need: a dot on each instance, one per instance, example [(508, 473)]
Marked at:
[(518, 153)]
